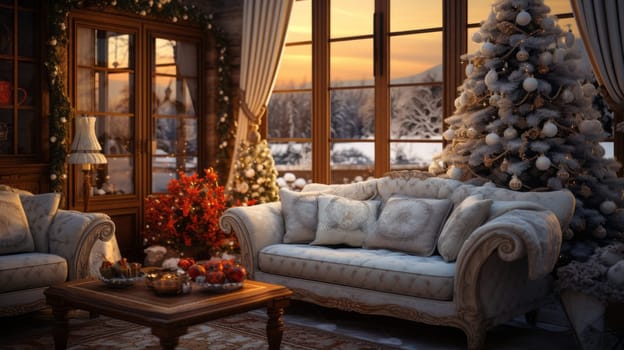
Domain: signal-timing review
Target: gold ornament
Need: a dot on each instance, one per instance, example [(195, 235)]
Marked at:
[(515, 183), (542, 69), (506, 27), (504, 165), (585, 191), (472, 133), (487, 161), (538, 102), (478, 61), (532, 133), (563, 174)]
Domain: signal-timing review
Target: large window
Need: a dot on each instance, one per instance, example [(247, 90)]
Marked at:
[(364, 85)]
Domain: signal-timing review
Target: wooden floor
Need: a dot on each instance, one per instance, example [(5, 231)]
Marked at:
[(551, 332)]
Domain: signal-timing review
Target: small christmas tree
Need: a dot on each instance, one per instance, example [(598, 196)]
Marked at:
[(255, 177), (524, 120)]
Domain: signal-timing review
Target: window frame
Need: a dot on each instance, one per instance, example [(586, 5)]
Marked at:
[(455, 28)]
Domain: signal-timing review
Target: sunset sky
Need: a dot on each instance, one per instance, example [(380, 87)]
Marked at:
[(411, 54)]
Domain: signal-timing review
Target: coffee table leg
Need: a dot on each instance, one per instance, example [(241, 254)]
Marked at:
[(60, 330), (168, 337), (275, 324)]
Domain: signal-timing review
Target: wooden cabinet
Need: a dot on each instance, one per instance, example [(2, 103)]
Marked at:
[(23, 127), (142, 81)]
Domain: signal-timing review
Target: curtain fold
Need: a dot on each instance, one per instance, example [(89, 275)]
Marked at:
[(188, 67), (264, 32), (601, 28)]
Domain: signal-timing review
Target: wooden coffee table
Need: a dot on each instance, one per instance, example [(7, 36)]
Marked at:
[(168, 316)]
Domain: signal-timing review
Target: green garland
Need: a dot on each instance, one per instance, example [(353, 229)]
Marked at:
[(61, 113)]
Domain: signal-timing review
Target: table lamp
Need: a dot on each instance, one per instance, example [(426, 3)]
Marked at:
[(85, 150)]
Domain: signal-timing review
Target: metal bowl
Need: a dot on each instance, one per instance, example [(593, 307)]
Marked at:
[(151, 276), (168, 282)]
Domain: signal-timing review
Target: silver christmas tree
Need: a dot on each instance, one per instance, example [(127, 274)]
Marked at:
[(524, 119)]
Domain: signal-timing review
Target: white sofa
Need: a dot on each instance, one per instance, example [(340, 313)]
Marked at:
[(62, 245), (501, 270)]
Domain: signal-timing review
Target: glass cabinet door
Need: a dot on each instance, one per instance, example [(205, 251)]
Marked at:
[(105, 88), (141, 79), (20, 126), (174, 112)]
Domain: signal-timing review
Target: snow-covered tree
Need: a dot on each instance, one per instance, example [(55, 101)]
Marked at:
[(524, 119)]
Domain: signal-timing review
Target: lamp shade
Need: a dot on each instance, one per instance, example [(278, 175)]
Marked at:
[(85, 149)]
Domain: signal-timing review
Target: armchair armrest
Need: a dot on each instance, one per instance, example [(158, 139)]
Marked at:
[(73, 235), (256, 227), (516, 234)]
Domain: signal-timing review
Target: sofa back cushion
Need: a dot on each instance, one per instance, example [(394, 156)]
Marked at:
[(561, 202), (300, 210), (343, 221), (40, 210), (408, 224), (15, 236), (464, 219)]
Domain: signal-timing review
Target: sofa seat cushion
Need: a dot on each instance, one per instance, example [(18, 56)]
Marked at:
[(31, 270), (375, 269)]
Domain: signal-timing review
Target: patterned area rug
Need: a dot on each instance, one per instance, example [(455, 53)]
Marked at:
[(243, 331)]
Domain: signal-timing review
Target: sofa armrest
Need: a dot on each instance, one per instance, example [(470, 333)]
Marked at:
[(256, 227), (517, 234), (73, 235)]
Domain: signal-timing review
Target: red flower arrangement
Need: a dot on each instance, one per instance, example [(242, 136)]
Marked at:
[(188, 214)]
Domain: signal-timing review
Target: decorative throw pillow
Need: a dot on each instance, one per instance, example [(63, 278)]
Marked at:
[(40, 210), (15, 236), (464, 219), (300, 211), (409, 224), (344, 221)]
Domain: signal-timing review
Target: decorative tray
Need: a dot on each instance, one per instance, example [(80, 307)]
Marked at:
[(219, 288), (120, 282)]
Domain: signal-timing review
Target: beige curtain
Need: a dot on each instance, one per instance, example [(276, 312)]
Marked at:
[(601, 24), (264, 32)]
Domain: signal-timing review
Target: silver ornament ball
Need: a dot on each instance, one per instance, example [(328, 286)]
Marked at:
[(529, 84), (510, 133), (542, 163), (523, 18), (549, 129), (608, 207), (492, 139)]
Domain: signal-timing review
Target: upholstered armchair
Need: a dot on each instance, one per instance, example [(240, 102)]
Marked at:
[(41, 245)]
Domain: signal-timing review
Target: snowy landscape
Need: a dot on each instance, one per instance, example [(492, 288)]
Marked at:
[(416, 116)]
